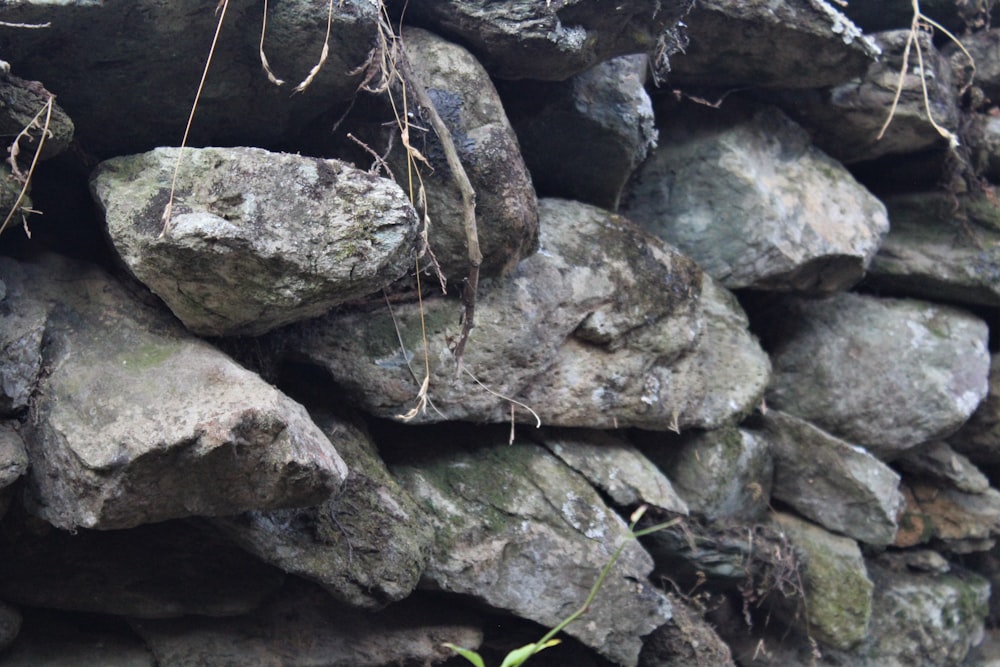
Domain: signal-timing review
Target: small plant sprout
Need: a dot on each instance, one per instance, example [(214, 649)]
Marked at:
[(521, 655)]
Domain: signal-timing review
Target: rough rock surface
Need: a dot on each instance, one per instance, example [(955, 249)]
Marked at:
[(724, 474), (367, 545), (524, 39), (845, 120), (10, 625), (162, 570), (13, 458), (603, 327), (962, 521), (469, 106), (979, 438), (255, 239), (582, 138), (733, 43), (753, 209), (838, 591), (686, 640), (937, 460), (934, 251), (137, 422), (302, 625), (838, 485), (116, 61), (887, 374), (507, 518), (616, 467), (21, 331)]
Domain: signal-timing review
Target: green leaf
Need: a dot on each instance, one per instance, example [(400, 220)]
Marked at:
[(519, 655), (469, 655)]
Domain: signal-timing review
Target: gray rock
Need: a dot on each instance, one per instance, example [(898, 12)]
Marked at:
[(687, 640), (24, 110), (13, 458), (898, 14), (582, 138), (962, 522), (162, 570), (979, 438), (984, 47), (506, 206), (21, 331), (922, 619), (723, 474), (835, 583), (526, 39), (302, 625), (367, 545), (616, 467), (10, 625), (834, 483), (935, 251), (732, 44), (845, 120), (887, 374), (743, 192), (50, 639), (519, 531), (937, 460), (138, 422), (603, 327), (256, 239), (127, 71)]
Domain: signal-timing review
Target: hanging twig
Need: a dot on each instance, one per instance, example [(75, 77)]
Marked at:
[(468, 202)]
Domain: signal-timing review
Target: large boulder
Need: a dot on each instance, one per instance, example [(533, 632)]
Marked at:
[(604, 327), (743, 192), (887, 374), (127, 71), (519, 531), (367, 545), (582, 138), (136, 421), (255, 239), (549, 41), (733, 43)]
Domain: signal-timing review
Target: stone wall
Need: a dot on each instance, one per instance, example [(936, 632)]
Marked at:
[(238, 423)]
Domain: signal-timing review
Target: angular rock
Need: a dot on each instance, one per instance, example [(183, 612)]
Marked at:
[(256, 239), (162, 570), (21, 330), (51, 639), (924, 619), (837, 589), (845, 120), (732, 44), (304, 626), (687, 640), (723, 474), (614, 466), (525, 39), (367, 545), (964, 522), (13, 458), (887, 374), (127, 70), (979, 438), (936, 460), (834, 483), (506, 206), (521, 532), (25, 110), (138, 422), (582, 138), (744, 193), (604, 327), (933, 252), (983, 46)]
